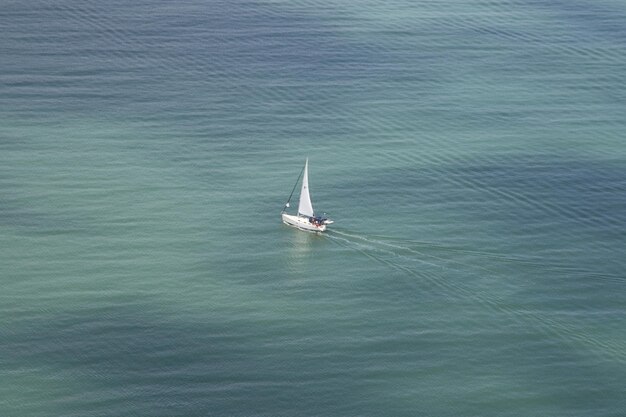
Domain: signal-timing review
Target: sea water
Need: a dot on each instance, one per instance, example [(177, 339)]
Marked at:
[(471, 153)]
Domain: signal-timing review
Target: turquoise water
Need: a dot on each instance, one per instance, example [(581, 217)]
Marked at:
[(471, 153)]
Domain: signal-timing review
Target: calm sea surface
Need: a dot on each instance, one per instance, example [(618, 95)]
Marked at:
[(471, 153)]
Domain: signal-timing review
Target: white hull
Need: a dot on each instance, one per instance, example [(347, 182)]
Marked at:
[(302, 223)]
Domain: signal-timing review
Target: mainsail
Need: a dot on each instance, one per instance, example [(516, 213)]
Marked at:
[(305, 207)]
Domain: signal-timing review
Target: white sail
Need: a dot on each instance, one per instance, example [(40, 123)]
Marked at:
[(305, 207)]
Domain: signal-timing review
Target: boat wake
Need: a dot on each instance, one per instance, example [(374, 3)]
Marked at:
[(479, 277), (444, 268), (429, 253)]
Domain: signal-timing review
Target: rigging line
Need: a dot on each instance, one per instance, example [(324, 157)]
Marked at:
[(294, 189)]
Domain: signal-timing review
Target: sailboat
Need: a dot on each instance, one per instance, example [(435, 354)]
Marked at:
[(305, 219)]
